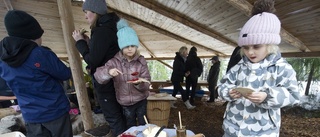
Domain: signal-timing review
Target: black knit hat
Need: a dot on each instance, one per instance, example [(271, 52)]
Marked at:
[(96, 6), (21, 24), (215, 58), (194, 49)]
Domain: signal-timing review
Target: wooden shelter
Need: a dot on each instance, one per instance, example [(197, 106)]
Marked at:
[(163, 26)]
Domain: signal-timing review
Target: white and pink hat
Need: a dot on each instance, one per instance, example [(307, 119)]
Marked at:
[(263, 28)]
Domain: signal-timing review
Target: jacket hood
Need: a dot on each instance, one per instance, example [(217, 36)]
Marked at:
[(14, 51), (179, 57), (106, 19), (192, 53)]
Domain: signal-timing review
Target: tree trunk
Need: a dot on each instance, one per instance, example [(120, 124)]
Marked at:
[(309, 79)]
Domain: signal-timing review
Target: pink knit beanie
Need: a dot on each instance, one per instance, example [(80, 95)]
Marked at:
[(263, 27)]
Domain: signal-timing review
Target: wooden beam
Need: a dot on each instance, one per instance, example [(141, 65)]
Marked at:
[(164, 63), (157, 7), (160, 58), (149, 51), (172, 58), (245, 7), (315, 54), (154, 56), (164, 32), (8, 4), (66, 17)]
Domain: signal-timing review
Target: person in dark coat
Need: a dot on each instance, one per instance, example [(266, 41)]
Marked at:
[(35, 76), (194, 67), (213, 76), (96, 51), (235, 58), (178, 73)]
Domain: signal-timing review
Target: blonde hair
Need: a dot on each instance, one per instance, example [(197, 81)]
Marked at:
[(271, 49), (183, 49), (93, 25), (137, 53)]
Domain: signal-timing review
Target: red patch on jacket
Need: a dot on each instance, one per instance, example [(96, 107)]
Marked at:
[(37, 65)]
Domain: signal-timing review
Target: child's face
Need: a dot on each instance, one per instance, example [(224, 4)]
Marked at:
[(255, 53), (129, 51), (90, 16)]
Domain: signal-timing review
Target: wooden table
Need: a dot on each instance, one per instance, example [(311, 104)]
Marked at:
[(157, 83)]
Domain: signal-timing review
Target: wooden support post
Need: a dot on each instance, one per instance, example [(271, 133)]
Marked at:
[(67, 23)]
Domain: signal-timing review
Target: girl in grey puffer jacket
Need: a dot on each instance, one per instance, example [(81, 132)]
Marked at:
[(129, 72), (264, 72)]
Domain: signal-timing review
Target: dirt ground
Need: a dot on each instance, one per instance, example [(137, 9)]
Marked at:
[(207, 118)]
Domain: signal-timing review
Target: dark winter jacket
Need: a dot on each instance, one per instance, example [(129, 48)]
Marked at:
[(235, 58), (214, 74), (179, 68), (127, 93), (34, 74), (103, 45), (194, 65)]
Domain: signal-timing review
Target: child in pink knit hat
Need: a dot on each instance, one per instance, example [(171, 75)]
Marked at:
[(262, 82)]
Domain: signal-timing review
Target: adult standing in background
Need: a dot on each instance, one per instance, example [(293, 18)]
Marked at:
[(35, 76), (178, 73), (96, 51), (194, 68), (213, 77)]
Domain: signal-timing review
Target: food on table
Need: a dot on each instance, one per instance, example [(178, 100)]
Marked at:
[(151, 131)]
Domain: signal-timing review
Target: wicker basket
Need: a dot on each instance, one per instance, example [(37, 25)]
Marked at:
[(158, 112)]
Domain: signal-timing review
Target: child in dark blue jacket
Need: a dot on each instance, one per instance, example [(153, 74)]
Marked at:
[(35, 74)]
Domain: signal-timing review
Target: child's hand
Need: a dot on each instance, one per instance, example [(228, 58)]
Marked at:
[(256, 97), (187, 74), (114, 72), (234, 94)]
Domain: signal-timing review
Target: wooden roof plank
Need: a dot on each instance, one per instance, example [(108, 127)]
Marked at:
[(164, 32), (179, 18)]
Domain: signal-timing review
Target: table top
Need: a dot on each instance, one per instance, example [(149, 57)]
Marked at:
[(161, 96), (170, 132)]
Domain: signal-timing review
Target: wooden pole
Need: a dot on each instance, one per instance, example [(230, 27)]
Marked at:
[(67, 24), (8, 4)]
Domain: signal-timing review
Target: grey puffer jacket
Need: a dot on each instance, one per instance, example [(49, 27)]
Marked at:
[(272, 75), (127, 93)]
